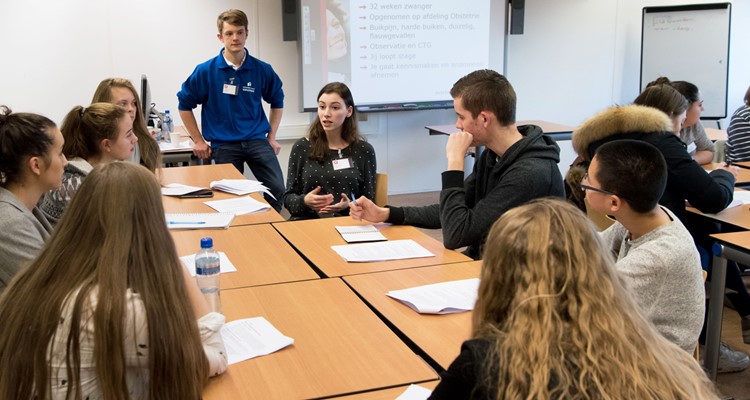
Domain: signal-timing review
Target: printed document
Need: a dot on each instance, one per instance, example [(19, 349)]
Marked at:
[(440, 298), (360, 233), (381, 251), (224, 264), (240, 187), (252, 337), (238, 206)]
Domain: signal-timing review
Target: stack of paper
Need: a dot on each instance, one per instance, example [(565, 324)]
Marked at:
[(440, 298), (360, 233), (199, 220), (224, 264), (252, 337), (381, 251), (185, 191), (240, 186), (183, 145), (238, 206)]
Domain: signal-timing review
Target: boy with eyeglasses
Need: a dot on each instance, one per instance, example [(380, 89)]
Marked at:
[(655, 253)]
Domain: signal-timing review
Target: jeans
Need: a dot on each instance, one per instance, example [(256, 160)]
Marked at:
[(260, 157)]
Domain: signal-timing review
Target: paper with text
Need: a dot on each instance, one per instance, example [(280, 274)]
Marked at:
[(415, 392), (252, 337), (360, 233), (381, 251), (224, 264), (440, 298), (238, 206)]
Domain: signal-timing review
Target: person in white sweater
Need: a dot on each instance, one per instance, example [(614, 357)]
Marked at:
[(655, 253), (107, 310)]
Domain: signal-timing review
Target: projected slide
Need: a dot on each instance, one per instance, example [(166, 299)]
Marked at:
[(392, 51)]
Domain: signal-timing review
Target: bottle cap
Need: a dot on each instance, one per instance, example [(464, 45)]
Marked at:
[(207, 243), (166, 111)]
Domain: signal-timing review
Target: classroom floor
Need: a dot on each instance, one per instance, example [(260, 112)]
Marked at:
[(731, 386)]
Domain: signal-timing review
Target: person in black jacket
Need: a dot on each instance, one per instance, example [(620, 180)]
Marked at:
[(519, 164), (553, 321)]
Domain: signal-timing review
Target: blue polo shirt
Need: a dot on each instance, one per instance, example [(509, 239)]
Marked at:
[(227, 117)]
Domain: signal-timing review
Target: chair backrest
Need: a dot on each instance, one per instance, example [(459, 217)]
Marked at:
[(720, 148), (381, 189)]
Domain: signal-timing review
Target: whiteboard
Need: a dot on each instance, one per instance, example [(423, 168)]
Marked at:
[(689, 43)]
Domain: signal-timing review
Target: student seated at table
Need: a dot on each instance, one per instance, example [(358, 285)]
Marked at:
[(700, 147), (97, 134), (31, 163), (121, 92), (655, 252), (686, 180), (332, 163), (553, 321), (519, 164), (107, 310), (738, 133)]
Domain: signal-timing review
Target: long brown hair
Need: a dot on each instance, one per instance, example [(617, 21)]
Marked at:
[(147, 146), (560, 322), (349, 132), (85, 127), (113, 237)]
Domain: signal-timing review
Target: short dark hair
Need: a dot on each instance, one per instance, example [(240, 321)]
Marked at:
[(634, 170), (487, 90)]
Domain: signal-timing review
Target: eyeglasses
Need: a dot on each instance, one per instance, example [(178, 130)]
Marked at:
[(587, 187)]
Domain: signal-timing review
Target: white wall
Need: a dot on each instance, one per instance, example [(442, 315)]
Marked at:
[(575, 58)]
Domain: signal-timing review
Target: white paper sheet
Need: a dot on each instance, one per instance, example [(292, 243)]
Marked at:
[(415, 392), (238, 206), (178, 189), (440, 298), (360, 233), (252, 337), (240, 187), (381, 251), (224, 264), (183, 145)]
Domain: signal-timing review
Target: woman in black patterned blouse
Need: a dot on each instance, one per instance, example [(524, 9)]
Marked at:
[(332, 163)]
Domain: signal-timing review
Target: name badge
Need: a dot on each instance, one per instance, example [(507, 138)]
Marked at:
[(341, 163), (230, 89), (691, 148)]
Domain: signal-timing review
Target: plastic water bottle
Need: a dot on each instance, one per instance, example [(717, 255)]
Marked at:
[(207, 273), (167, 126)]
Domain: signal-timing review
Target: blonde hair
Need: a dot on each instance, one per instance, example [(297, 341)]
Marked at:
[(561, 324), (112, 238), (147, 145)]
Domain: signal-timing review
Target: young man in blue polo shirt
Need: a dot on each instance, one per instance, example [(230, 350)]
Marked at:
[(230, 88)]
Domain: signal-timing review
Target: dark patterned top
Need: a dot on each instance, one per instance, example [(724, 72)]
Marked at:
[(306, 174)]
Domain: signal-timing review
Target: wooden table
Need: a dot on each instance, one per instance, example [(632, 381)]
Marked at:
[(340, 346), (386, 394), (259, 253), (314, 238), (743, 177), (202, 176), (742, 164), (439, 336), (738, 216), (714, 134), (553, 129)]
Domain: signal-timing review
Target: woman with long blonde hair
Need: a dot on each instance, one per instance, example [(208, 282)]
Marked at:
[(107, 310), (121, 92), (553, 321)]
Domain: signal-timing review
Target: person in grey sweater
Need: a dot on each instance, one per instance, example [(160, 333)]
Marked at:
[(31, 163), (655, 253), (519, 164)]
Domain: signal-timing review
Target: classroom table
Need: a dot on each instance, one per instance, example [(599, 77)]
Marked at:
[(314, 238), (738, 216), (742, 164), (743, 177), (386, 394), (201, 176), (259, 253), (553, 129), (439, 336), (715, 134), (733, 246), (340, 346), (176, 156)]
